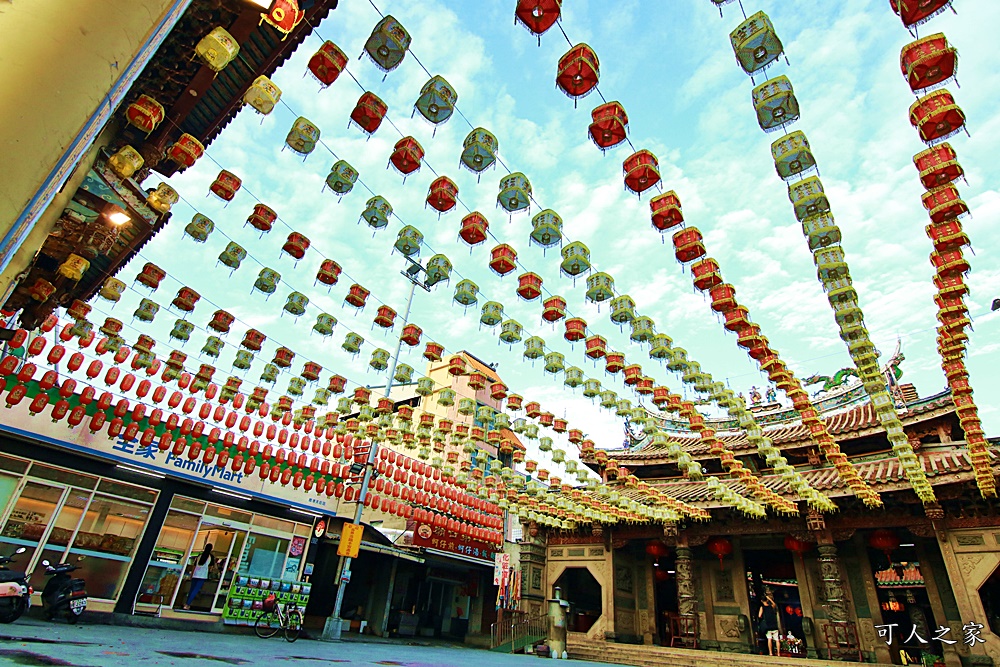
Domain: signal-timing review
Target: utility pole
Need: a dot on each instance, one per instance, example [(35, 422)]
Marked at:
[(333, 629)]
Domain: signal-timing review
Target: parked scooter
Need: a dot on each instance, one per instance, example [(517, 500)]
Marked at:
[(15, 593), (63, 594)]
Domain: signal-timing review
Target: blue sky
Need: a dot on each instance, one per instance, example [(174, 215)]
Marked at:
[(671, 66)]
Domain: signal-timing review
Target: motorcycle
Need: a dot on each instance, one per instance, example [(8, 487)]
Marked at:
[(63, 594), (15, 593)]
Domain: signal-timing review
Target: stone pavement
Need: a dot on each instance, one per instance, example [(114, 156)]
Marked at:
[(34, 642)]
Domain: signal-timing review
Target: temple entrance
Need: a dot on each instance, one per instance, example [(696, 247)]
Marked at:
[(665, 598), (578, 585), (772, 571)]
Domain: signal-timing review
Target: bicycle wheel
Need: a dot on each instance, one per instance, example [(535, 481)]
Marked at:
[(267, 625), (294, 626)]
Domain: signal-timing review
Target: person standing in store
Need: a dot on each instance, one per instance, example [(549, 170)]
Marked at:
[(199, 575), (768, 616)]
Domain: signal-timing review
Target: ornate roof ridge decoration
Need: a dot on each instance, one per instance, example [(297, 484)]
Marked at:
[(845, 422), (942, 466)]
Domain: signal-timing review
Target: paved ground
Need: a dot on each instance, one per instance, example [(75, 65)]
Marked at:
[(34, 642)]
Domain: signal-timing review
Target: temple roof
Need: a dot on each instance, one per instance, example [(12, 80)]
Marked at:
[(943, 465), (857, 421)]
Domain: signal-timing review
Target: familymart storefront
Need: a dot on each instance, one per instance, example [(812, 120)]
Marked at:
[(136, 527)]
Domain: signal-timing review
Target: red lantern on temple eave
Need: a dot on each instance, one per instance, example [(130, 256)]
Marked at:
[(657, 549), (296, 245), (503, 259), (610, 125), (145, 113), (642, 171), (915, 12), (797, 546), (596, 347), (723, 298), (529, 286), (885, 541), (688, 245), (433, 351), (225, 185), (385, 317), (614, 362), (936, 116), (944, 203), (474, 227), (185, 151), (406, 155), (442, 194), (327, 63), (576, 329), (736, 318), (357, 296), (938, 165), (554, 309), (262, 218), (537, 15), (578, 72), (927, 62), (665, 211), (369, 112), (720, 547)]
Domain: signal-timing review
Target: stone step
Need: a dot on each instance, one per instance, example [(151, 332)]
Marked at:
[(656, 656)]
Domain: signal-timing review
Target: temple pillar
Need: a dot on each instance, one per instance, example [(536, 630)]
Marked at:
[(833, 584), (687, 601)]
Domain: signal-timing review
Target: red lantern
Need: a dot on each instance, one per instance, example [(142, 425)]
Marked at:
[(327, 63), (936, 116), (357, 296), (915, 12), (723, 298), (262, 218), (474, 227), (938, 165), (928, 61), (719, 547), (554, 309), (151, 275), (614, 362), (537, 15), (442, 194), (529, 286), (597, 347), (411, 334), (576, 329), (385, 317), (406, 156), (943, 203), (642, 171), (688, 245), (578, 72), (369, 112), (800, 547), (706, 274), (665, 211), (329, 272), (296, 245), (885, 541), (225, 185), (609, 126), (656, 549)]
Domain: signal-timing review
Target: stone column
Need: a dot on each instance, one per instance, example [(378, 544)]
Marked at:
[(833, 584), (687, 601)]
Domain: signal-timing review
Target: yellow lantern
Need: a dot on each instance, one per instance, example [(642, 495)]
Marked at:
[(74, 267), (125, 162), (262, 95), (217, 49)]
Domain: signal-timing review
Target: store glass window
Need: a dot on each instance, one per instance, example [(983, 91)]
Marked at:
[(264, 556), (63, 476), (167, 562), (11, 464), (61, 534), (106, 540)]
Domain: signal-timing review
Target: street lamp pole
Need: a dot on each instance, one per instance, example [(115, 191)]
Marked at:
[(333, 628)]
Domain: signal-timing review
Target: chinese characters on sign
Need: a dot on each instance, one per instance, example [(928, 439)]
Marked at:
[(438, 537), (971, 634)]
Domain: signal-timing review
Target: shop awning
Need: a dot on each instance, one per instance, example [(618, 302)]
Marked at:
[(389, 551)]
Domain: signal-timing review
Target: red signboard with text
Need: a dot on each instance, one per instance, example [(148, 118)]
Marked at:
[(426, 535)]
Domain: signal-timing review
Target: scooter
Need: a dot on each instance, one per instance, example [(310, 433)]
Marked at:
[(15, 593), (63, 594)]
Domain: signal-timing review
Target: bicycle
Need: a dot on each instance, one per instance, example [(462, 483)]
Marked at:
[(277, 616)]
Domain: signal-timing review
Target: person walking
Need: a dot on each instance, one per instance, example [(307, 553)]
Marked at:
[(768, 616), (199, 574)]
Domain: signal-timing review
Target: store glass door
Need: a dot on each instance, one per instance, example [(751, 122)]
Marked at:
[(227, 544), (37, 519)]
